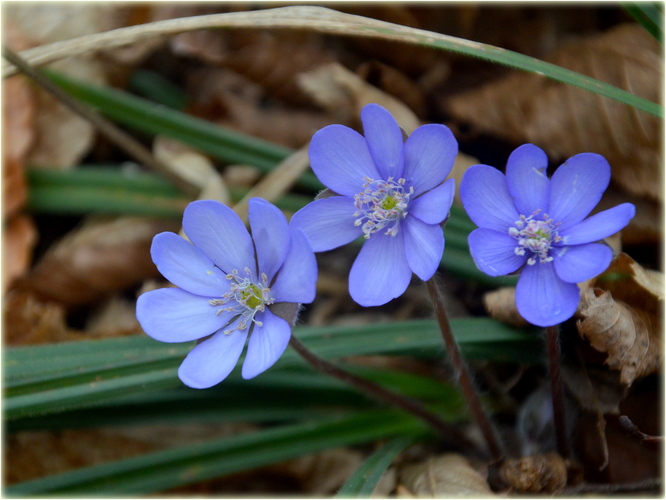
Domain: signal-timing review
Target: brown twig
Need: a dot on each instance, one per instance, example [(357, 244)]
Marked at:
[(107, 128), (462, 375), (376, 391), (634, 431), (557, 390)]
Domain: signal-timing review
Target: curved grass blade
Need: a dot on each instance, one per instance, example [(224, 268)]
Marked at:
[(363, 482), (332, 22), (163, 470)]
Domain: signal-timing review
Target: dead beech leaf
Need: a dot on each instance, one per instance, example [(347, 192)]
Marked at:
[(100, 257), (501, 305), (192, 167), (28, 320), (565, 120), (19, 239), (445, 476), (277, 182), (538, 473), (344, 94), (624, 333)]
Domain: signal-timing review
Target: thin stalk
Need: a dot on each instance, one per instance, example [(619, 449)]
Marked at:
[(376, 391), (557, 390), (462, 375), (107, 128)]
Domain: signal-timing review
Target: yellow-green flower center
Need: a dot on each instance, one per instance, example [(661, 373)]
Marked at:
[(252, 296)]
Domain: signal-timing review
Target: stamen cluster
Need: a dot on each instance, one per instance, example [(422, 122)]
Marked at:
[(537, 236), (247, 298), (381, 204)]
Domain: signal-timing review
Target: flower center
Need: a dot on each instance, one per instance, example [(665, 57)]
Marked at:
[(537, 236), (246, 298), (381, 204)]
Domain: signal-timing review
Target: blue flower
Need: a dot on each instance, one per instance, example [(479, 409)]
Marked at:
[(526, 219), (390, 191), (228, 282)]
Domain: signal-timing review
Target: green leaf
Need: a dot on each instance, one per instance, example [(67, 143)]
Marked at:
[(155, 87), (163, 470), (50, 378), (649, 15), (219, 142), (363, 482)]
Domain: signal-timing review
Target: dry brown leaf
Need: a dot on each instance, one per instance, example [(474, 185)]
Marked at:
[(17, 135), (501, 305), (539, 473), (277, 182), (344, 94), (19, 239), (627, 335), (192, 167), (115, 317), (28, 320), (229, 99), (565, 120), (322, 474), (395, 83), (100, 257), (445, 476)]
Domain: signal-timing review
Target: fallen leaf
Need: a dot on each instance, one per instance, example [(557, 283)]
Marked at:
[(445, 476), (565, 120), (277, 182), (632, 342), (344, 94), (18, 242), (192, 167), (501, 305), (395, 83), (29, 320), (535, 474), (100, 257)]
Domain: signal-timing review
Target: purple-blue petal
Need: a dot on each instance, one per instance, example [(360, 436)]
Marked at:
[(328, 223), (174, 315), (494, 252), (527, 180), (384, 139), (297, 278), (424, 246), (266, 345), (576, 187), (579, 263), (433, 206), (340, 158), (486, 198), (212, 361), (543, 298), (186, 266), (380, 272), (220, 234), (599, 226), (429, 156), (270, 233)]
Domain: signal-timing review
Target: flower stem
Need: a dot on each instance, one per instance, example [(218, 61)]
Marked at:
[(557, 391), (462, 375), (376, 391)]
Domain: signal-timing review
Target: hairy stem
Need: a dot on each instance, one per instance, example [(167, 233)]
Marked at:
[(107, 128), (376, 391), (462, 375), (557, 391)]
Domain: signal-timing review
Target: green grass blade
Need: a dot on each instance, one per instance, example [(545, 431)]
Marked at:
[(363, 482), (155, 87), (219, 142), (52, 378), (163, 470), (649, 15)]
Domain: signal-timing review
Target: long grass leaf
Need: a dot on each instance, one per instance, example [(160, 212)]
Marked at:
[(364, 481), (332, 22), (159, 471)]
